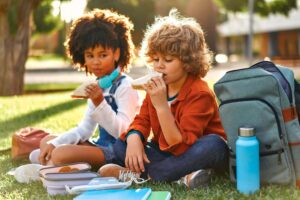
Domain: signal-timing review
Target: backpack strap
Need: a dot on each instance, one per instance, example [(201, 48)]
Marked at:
[(273, 69), (297, 97), (291, 112)]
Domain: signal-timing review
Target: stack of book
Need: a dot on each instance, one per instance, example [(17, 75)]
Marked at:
[(128, 194), (77, 178), (111, 188), (116, 190), (56, 177)]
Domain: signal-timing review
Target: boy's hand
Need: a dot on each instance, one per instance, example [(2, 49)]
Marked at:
[(157, 90), (45, 154), (94, 92), (135, 154)]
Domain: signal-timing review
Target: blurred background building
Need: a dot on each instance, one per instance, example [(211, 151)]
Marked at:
[(45, 24), (275, 36)]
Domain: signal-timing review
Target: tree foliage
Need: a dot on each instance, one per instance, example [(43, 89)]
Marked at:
[(44, 21), (262, 7), (141, 12)]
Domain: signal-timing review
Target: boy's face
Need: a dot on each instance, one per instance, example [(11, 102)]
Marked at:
[(170, 66), (101, 61)]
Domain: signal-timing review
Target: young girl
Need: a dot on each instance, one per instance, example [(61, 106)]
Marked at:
[(179, 108), (99, 42)]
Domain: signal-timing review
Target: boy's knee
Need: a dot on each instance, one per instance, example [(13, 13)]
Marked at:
[(216, 141)]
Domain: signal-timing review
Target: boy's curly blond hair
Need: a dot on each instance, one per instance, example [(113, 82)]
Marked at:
[(180, 37)]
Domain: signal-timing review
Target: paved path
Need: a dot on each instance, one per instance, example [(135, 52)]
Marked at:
[(65, 73)]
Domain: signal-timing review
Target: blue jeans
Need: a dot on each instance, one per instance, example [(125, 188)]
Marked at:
[(209, 151)]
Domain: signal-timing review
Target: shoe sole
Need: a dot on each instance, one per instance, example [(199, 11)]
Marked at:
[(201, 179)]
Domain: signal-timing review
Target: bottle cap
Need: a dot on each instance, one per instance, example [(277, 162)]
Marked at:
[(246, 132)]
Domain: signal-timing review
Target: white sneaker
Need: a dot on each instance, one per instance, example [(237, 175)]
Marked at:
[(121, 173), (34, 156)]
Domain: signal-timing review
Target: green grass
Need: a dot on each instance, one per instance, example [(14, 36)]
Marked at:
[(58, 112), (46, 57), (49, 87)]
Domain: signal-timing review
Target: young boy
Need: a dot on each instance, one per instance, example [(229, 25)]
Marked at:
[(179, 108)]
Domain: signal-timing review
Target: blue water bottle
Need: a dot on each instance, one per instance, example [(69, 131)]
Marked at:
[(247, 161)]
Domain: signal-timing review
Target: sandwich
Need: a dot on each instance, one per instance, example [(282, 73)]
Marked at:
[(79, 92), (138, 83)]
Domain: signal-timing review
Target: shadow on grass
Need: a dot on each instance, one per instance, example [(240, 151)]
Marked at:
[(12, 125)]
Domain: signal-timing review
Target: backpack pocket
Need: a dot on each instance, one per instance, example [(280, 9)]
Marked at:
[(261, 115), (294, 144)]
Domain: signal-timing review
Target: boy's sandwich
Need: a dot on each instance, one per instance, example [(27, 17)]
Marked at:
[(138, 83), (79, 92)]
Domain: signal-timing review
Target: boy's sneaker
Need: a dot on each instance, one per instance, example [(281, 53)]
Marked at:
[(34, 156), (200, 178), (121, 173)]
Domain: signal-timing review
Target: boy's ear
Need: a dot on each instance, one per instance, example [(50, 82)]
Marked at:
[(187, 68), (117, 54)]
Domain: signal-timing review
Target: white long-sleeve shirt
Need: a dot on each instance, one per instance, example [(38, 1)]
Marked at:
[(127, 100)]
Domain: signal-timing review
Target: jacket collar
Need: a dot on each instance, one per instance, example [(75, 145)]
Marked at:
[(186, 88)]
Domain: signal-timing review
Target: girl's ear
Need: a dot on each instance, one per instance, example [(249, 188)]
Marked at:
[(117, 54)]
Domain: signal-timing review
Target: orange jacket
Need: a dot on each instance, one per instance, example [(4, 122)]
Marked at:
[(195, 111)]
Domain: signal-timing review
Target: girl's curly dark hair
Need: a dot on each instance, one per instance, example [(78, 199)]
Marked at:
[(100, 27)]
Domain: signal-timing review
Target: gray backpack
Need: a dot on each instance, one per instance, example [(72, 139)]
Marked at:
[(263, 97)]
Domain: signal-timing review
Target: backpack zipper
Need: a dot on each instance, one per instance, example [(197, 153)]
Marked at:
[(269, 153), (261, 100)]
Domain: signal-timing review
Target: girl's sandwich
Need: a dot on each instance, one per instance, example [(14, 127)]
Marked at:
[(79, 92)]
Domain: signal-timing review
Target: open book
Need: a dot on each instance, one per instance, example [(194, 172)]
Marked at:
[(138, 83), (79, 92)]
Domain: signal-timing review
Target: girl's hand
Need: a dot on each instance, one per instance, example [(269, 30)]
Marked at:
[(95, 93), (157, 90), (45, 154), (135, 154)]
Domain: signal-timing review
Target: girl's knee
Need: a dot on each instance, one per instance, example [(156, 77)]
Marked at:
[(47, 138), (60, 155)]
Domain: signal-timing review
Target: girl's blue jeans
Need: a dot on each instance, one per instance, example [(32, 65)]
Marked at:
[(210, 151)]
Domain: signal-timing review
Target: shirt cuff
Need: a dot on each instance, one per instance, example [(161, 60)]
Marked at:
[(132, 131)]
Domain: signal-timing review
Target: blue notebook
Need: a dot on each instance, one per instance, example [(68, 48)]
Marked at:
[(129, 194)]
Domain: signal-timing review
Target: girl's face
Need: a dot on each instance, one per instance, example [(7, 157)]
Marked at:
[(171, 67), (101, 61)]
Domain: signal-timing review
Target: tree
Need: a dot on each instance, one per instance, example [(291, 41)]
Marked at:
[(15, 31), (262, 7), (44, 22)]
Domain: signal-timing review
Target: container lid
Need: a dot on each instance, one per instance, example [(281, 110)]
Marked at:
[(246, 132)]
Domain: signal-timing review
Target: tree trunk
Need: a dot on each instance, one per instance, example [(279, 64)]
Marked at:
[(205, 12), (14, 45)]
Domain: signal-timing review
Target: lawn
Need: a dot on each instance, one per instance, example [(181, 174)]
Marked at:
[(57, 112)]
